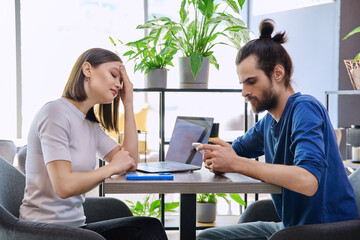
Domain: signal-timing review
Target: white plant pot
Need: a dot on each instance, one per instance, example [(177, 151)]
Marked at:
[(156, 78), (187, 78), (206, 212)]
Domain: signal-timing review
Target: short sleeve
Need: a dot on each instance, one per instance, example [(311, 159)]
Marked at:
[(307, 138), (105, 143), (54, 133)]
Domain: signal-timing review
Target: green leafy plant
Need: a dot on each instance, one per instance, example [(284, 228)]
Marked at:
[(356, 30), (199, 29), (151, 52), (212, 198), (150, 207)]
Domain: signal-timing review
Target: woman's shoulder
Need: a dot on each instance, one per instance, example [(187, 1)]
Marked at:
[(54, 106), (54, 109)]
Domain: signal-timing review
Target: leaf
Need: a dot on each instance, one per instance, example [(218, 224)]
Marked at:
[(148, 24), (153, 32), (356, 57), (235, 28), (183, 12), (196, 60), (157, 36), (233, 5), (206, 7), (139, 205), (142, 40), (236, 197), (128, 53), (208, 54), (241, 3), (356, 30), (112, 41), (154, 205), (214, 62), (170, 206)]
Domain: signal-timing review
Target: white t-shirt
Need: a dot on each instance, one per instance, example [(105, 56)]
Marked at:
[(60, 132)]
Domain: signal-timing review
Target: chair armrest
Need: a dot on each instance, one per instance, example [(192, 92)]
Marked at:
[(104, 208), (12, 228), (329, 231), (262, 210)]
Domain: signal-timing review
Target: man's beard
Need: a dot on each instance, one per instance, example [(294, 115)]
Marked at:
[(269, 101)]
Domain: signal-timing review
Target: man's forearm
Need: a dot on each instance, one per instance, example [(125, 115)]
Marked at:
[(295, 178)]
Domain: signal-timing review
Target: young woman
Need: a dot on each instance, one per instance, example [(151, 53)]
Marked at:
[(65, 138)]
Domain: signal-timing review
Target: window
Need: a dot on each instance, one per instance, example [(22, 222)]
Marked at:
[(8, 70), (52, 40)]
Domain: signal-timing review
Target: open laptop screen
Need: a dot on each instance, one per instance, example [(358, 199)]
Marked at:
[(186, 131)]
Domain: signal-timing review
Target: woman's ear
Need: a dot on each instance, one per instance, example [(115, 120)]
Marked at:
[(279, 73), (86, 68)]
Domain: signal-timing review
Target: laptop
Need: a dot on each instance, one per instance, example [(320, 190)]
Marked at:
[(181, 156)]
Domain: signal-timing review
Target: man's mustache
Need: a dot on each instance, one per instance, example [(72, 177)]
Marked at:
[(248, 99)]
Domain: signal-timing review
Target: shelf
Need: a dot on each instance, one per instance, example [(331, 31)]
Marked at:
[(172, 222), (185, 90), (344, 92), (339, 92)]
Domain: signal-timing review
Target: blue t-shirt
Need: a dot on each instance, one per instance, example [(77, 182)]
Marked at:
[(303, 137)]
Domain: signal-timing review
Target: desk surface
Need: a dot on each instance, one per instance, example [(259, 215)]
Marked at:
[(188, 184), (191, 182), (348, 163)]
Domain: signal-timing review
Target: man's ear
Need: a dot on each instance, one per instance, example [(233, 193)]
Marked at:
[(86, 68), (278, 73)]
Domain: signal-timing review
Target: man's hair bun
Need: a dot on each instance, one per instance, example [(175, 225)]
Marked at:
[(266, 28)]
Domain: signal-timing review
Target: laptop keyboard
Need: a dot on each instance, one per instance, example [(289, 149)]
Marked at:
[(168, 165)]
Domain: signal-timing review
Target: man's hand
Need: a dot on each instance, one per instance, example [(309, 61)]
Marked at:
[(219, 158)]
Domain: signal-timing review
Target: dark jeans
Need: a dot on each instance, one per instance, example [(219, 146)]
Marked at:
[(140, 228)]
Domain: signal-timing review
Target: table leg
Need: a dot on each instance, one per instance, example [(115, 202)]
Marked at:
[(187, 216)]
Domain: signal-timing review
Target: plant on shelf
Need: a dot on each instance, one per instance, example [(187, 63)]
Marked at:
[(353, 66), (151, 53), (198, 30), (356, 30), (150, 207), (206, 204)]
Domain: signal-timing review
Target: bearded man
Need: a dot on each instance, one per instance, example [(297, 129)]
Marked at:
[(297, 139)]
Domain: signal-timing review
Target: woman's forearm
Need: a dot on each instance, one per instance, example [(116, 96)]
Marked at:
[(130, 142), (67, 183)]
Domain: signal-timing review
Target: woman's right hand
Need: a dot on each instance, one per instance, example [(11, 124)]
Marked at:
[(122, 162), (126, 93)]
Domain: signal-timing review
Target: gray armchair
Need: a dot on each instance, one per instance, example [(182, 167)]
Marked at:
[(7, 150), (12, 184), (264, 210)]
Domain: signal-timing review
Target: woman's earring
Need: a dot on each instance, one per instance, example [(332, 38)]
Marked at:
[(87, 79)]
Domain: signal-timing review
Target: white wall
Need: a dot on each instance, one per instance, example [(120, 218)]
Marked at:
[(313, 43)]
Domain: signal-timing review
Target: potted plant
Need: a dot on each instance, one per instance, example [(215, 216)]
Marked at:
[(206, 205), (353, 66), (198, 32), (150, 207), (152, 55)]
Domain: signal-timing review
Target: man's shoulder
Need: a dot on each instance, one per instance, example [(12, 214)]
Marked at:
[(306, 101), (305, 98)]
